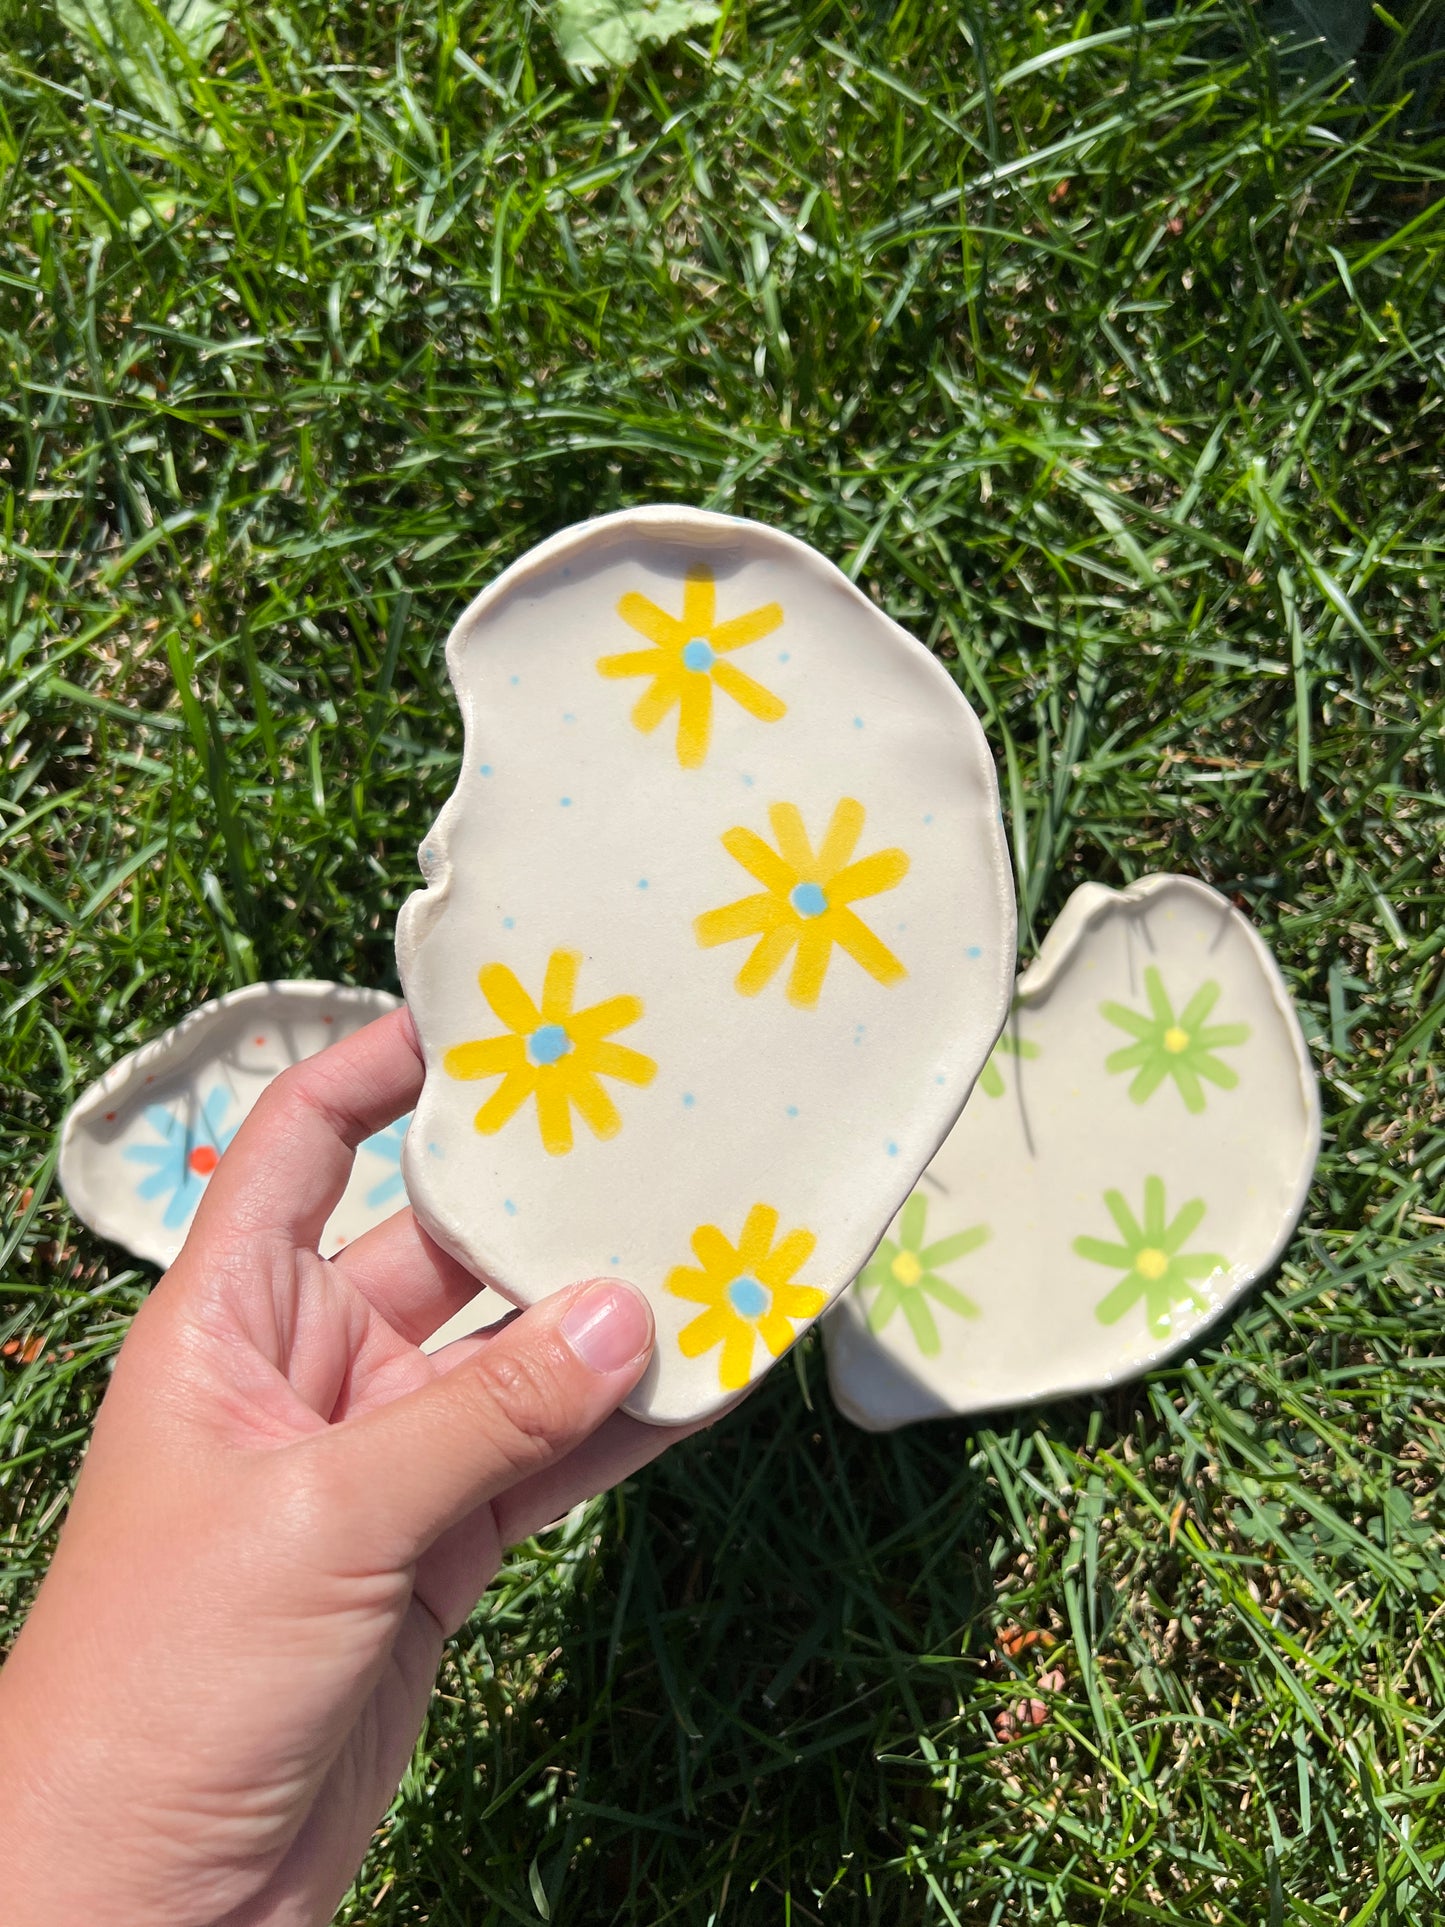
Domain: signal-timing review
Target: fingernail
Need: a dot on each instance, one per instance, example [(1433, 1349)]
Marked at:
[(608, 1326)]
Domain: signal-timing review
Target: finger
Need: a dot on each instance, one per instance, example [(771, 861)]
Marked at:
[(395, 1478), (452, 1576), (617, 1449), (407, 1277), (289, 1163)]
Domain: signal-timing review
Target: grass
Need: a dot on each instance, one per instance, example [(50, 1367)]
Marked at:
[(1106, 353)]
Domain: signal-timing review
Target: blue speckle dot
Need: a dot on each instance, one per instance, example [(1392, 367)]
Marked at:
[(568, 718), (486, 769), (939, 1079), (642, 883), (515, 681), (903, 926), (566, 802), (929, 817), (509, 923), (973, 951), (792, 1110), (436, 1150), (857, 722), (614, 1259), (808, 899), (688, 1100), (784, 656), (747, 782), (509, 1207), (892, 1149)]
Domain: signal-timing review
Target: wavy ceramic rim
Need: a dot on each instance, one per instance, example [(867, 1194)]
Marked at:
[(709, 530), (174, 1049), (1088, 904)]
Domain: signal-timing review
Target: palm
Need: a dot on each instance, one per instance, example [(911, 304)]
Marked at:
[(356, 1654), (310, 1532)]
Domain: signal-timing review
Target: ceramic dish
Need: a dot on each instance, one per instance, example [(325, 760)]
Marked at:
[(717, 933), (1136, 1155), (138, 1149)]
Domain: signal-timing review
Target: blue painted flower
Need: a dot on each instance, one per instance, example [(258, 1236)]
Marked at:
[(187, 1154), (386, 1145)]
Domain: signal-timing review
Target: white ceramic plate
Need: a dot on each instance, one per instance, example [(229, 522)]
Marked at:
[(138, 1149), (717, 933), (1136, 1155)]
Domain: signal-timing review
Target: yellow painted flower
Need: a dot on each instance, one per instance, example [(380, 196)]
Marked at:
[(805, 902), (554, 1054), (749, 1293), (688, 657)]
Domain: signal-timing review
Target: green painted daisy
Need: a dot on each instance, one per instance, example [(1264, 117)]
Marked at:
[(1155, 1268), (1010, 1044), (906, 1275), (1180, 1047)]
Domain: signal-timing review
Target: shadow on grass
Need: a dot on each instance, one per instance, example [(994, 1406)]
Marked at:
[(755, 1634), (788, 1642)]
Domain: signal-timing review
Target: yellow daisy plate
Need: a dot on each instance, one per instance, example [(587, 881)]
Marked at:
[(716, 934)]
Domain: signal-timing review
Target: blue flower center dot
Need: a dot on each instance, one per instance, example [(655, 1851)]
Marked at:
[(808, 899), (748, 1298), (698, 654), (547, 1043)]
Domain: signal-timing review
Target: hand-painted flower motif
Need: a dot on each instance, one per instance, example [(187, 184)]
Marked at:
[(386, 1145), (1155, 1268), (688, 658), (1180, 1047), (905, 1276), (805, 902), (1010, 1044), (554, 1054), (184, 1159), (749, 1293)]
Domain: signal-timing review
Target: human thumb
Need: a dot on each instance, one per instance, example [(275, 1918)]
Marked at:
[(528, 1396)]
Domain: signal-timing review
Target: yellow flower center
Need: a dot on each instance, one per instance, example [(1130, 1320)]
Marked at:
[(548, 1043), (1152, 1263), (906, 1268), (747, 1297), (808, 899), (1176, 1040)]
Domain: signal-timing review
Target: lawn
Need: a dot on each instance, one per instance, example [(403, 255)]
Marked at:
[(1104, 347)]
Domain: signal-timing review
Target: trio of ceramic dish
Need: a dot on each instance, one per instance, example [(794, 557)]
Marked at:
[(715, 941)]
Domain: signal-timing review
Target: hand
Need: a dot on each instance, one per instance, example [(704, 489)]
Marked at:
[(286, 1509)]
